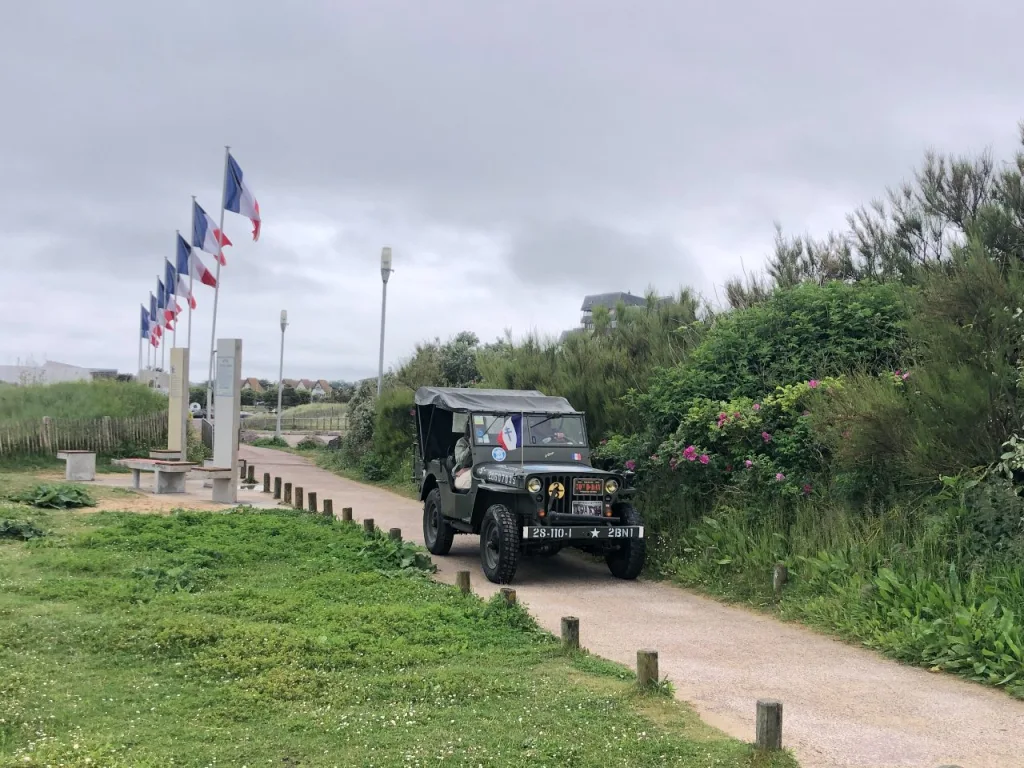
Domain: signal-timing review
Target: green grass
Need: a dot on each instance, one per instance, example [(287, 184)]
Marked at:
[(78, 400), (245, 639)]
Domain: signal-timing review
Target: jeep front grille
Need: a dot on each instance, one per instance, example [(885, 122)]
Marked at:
[(563, 506)]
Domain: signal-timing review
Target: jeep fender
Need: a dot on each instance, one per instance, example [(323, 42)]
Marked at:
[(429, 484)]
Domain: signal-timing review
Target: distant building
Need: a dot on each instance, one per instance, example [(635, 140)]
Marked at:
[(321, 389), (610, 301), (253, 384), (49, 372)]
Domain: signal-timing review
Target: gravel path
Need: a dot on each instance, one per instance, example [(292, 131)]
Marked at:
[(844, 706)]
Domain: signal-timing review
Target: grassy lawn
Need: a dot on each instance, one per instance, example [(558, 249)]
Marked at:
[(275, 638)]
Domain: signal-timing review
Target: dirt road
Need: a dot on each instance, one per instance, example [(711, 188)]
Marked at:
[(843, 706)]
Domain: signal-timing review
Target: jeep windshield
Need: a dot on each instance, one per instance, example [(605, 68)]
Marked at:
[(528, 430)]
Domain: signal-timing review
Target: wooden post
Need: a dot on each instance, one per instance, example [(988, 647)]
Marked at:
[(780, 575), (769, 725), (298, 497), (329, 509), (311, 498), (277, 487), (346, 514), (462, 581), (368, 525), (287, 493), (241, 469), (508, 595), (646, 668), (266, 482), (251, 474), (395, 533), (570, 633)]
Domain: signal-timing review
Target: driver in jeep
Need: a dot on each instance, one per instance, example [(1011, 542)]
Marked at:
[(550, 431), (463, 461)]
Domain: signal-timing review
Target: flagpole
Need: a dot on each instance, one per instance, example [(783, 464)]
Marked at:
[(216, 290), (140, 354), (190, 294)]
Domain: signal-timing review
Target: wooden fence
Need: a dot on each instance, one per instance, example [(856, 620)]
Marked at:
[(104, 435), (333, 423)]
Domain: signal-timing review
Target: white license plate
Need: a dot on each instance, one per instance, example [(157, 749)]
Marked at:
[(587, 508)]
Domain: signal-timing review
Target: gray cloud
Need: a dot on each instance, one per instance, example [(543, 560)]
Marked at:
[(611, 144)]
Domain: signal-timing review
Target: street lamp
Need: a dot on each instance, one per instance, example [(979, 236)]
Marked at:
[(385, 273), (280, 372)]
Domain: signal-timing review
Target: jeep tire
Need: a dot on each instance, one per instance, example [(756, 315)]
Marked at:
[(499, 544), (437, 534), (626, 561)]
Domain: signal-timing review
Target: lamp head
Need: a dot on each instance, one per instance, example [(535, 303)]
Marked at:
[(385, 263)]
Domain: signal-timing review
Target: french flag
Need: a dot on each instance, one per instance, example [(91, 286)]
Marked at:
[(238, 198), (200, 272), (183, 268), (185, 292), (511, 435), (144, 328), (205, 235)]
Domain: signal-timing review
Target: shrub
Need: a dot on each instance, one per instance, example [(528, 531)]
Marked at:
[(270, 442), (19, 529), (55, 496), (375, 467), (309, 443), (394, 428)]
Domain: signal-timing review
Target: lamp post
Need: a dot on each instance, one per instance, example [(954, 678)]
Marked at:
[(280, 372), (385, 273)]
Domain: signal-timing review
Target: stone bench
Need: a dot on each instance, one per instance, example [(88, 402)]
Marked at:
[(80, 466), (221, 479), (165, 455), (168, 476)]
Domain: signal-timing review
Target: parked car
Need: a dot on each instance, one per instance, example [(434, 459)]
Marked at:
[(532, 488)]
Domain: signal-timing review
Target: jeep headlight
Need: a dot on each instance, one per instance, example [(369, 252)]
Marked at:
[(533, 486), (611, 486)]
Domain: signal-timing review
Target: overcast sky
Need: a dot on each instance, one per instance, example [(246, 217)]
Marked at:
[(514, 155)]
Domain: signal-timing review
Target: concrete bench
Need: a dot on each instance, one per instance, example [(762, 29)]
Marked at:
[(80, 466), (221, 479), (165, 455), (168, 476)]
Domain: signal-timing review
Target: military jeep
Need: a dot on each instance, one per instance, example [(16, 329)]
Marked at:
[(531, 488)]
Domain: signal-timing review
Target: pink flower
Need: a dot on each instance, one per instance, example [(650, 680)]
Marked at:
[(728, 467), (748, 463), (813, 383), (630, 465), (779, 476), (604, 442), (704, 458), (807, 489), (690, 453), (654, 457), (757, 407), (737, 414), (766, 437), (723, 416), (905, 376)]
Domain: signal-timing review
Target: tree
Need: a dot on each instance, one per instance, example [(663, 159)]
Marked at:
[(197, 394), (248, 397)]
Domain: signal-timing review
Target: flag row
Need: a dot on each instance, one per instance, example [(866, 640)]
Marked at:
[(178, 278)]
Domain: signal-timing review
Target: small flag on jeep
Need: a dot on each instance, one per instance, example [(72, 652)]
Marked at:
[(577, 457), (511, 435)]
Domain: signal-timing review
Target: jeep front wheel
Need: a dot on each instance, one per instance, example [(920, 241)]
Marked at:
[(499, 544), (437, 534), (627, 560)]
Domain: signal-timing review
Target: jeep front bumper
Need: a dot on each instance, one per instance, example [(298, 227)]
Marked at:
[(591, 533)]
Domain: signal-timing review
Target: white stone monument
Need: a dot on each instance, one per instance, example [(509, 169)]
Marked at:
[(177, 404), (227, 405)]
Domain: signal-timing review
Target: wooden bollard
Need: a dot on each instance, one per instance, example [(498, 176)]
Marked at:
[(241, 469), (769, 725), (298, 497), (570, 633), (368, 525), (395, 533), (508, 595), (251, 474), (277, 487), (329, 509), (346, 514), (311, 499), (266, 482), (462, 581), (287, 493), (646, 668), (780, 575)]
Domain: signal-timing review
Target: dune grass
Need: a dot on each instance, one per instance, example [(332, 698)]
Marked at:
[(78, 400)]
